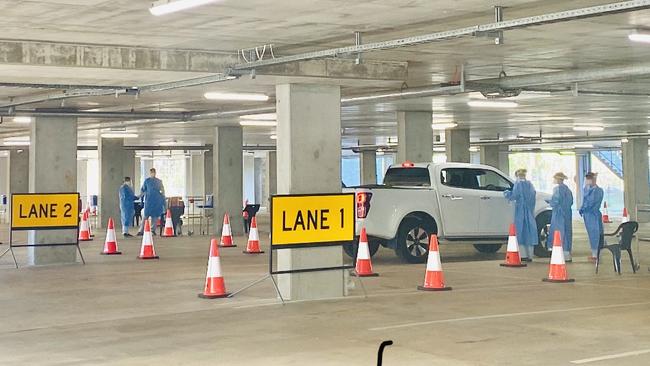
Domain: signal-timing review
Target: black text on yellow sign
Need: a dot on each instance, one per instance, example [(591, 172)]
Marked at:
[(44, 211), (317, 219)]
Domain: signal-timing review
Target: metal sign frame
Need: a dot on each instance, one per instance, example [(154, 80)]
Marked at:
[(36, 228)]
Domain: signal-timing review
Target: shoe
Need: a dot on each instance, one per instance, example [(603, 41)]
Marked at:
[(127, 235), (526, 260), (591, 259), (140, 234)]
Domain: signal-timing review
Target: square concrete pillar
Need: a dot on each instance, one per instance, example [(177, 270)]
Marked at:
[(414, 137), (208, 172), (309, 161), (368, 166), (197, 176), (457, 145), (137, 174), (114, 164), (635, 176), (228, 177), (271, 182), (496, 156), (52, 169), (18, 173)]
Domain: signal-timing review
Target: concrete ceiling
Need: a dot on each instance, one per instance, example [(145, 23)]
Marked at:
[(294, 27)]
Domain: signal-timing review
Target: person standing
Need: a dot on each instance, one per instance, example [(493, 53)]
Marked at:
[(524, 195), (127, 208), (153, 193), (561, 216), (592, 198)]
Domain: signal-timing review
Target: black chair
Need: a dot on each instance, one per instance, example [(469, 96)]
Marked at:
[(625, 233)]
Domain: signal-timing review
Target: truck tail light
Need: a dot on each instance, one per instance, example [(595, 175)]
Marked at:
[(363, 204)]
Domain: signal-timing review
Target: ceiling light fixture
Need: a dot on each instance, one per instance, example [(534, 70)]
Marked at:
[(22, 119), (443, 126), (588, 128), (118, 135), (16, 143), (473, 149), (163, 7), (639, 37), (258, 123), (438, 149), (249, 97), (260, 117), (273, 137), (492, 104)]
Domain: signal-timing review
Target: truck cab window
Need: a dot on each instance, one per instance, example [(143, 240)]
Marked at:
[(407, 177), (478, 179)]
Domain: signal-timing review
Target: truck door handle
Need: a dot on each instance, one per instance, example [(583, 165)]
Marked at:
[(485, 197), (452, 197)]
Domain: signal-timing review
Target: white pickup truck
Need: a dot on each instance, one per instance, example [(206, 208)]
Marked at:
[(461, 203)]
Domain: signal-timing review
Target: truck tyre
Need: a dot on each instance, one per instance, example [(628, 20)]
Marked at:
[(488, 248), (351, 249), (413, 240), (543, 226)]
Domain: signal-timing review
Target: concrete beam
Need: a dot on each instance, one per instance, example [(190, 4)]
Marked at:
[(113, 57), (340, 69)]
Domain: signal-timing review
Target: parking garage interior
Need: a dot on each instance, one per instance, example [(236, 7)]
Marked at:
[(238, 104)]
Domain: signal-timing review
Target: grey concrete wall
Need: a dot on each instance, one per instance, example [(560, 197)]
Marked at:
[(457, 145), (309, 161), (228, 166), (496, 156), (53, 168), (635, 176), (414, 137), (368, 166)]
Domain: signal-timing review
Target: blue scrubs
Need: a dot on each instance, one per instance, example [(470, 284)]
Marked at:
[(154, 198), (523, 193), (592, 198), (127, 209), (561, 218)]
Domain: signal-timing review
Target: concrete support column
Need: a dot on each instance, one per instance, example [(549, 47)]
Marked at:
[(635, 176), (113, 165), (137, 174), (248, 180), (228, 173), (198, 180), (309, 161), (496, 156), (271, 178), (414, 137), (208, 173), (18, 173), (583, 166), (53, 168), (457, 145), (82, 179), (368, 166), (260, 178)]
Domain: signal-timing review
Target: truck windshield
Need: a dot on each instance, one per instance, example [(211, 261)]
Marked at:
[(407, 177)]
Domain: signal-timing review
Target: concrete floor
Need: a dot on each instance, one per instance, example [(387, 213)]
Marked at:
[(120, 311)]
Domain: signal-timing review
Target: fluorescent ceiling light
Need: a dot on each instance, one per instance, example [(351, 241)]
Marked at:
[(443, 126), (439, 149), (167, 143), (118, 135), (273, 137), (22, 119), (16, 143), (258, 123), (588, 128), (492, 104), (583, 146), (624, 140), (163, 7), (473, 149), (639, 37), (260, 117), (251, 97)]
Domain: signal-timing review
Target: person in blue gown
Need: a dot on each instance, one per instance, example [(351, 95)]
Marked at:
[(127, 209), (561, 217), (153, 193), (524, 195), (592, 198)]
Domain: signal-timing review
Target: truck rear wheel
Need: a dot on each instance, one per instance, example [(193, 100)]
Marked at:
[(543, 228), (413, 240), (351, 249)]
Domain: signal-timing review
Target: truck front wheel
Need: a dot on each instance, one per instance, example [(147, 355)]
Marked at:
[(413, 240)]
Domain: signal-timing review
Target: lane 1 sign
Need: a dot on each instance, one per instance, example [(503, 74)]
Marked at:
[(32, 211), (307, 220)]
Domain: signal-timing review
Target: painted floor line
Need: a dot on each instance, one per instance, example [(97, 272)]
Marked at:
[(611, 357), (507, 315)]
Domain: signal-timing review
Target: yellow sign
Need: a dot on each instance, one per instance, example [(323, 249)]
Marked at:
[(44, 211), (314, 219)]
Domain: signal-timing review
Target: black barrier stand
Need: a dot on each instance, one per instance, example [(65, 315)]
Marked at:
[(273, 248), (12, 229)]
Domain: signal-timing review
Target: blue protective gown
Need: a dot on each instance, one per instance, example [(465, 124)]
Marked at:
[(154, 198), (523, 193), (127, 210), (561, 218), (592, 198)]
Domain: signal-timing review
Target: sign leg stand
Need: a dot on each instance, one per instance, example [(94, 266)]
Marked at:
[(10, 249), (81, 254), (275, 286), (363, 288)]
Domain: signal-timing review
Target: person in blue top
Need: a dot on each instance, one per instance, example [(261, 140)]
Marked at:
[(561, 216), (523, 193), (592, 198), (153, 193), (127, 209)]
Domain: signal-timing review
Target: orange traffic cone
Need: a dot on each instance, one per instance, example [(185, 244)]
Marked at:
[(214, 283), (557, 269), (253, 246), (84, 230), (364, 265), (226, 234), (110, 245), (169, 226), (434, 279), (606, 219), (512, 253), (626, 217), (147, 250)]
